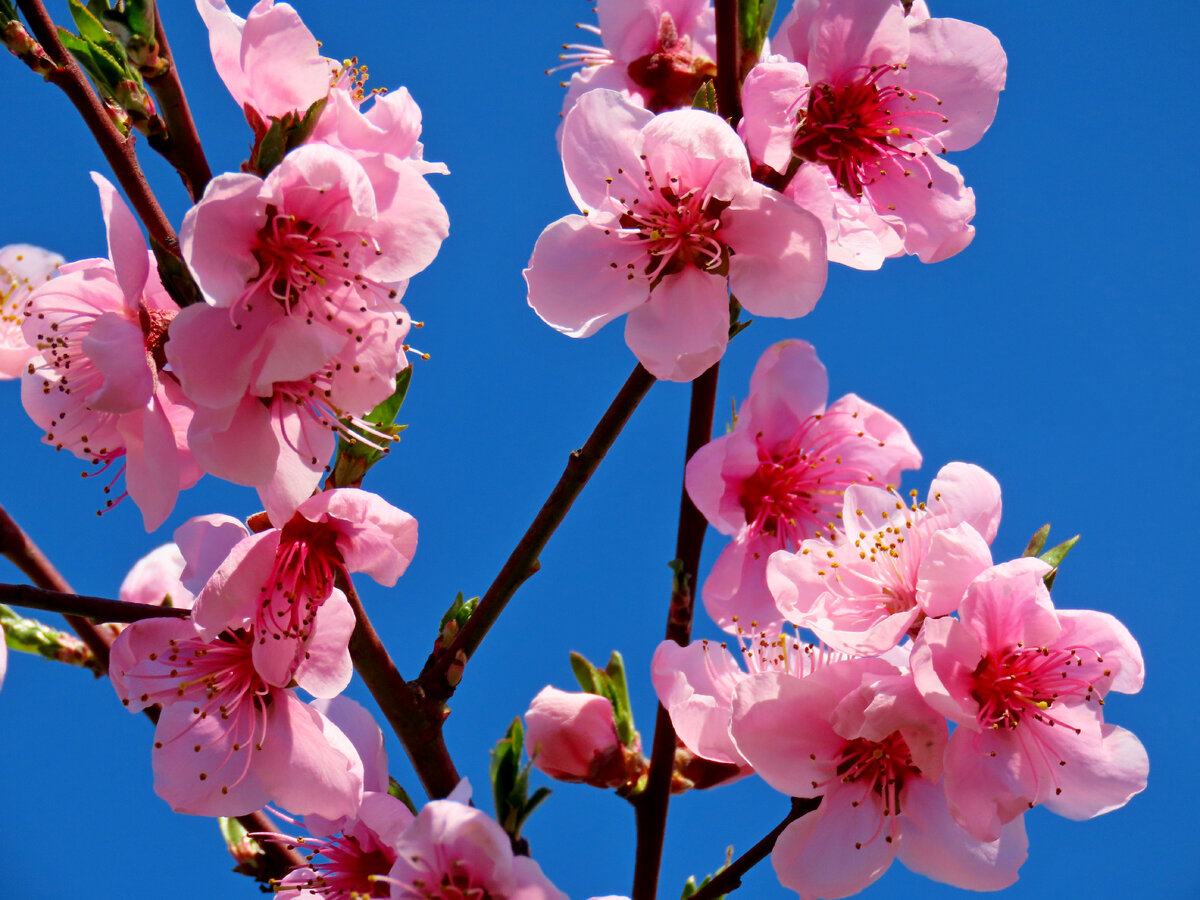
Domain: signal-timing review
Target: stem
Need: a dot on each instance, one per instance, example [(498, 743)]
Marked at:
[(96, 608), (16, 546), (436, 679), (730, 877), (729, 55), (181, 148), (117, 148), (651, 813), (416, 721)]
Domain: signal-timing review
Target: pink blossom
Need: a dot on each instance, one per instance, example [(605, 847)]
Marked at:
[(453, 851), (280, 583), (657, 53), (875, 102), (227, 742), (1025, 683), (155, 580), (269, 61), (97, 386), (696, 684), (571, 737), (22, 268), (669, 210), (778, 476), (857, 734), (893, 561), (358, 850)]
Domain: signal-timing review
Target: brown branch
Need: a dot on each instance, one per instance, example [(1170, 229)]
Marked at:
[(117, 148), (730, 878), (444, 669), (181, 147), (729, 62), (96, 608), (651, 812), (416, 721)]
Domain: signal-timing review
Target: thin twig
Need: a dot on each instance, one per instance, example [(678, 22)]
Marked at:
[(651, 813), (730, 878), (416, 722), (182, 147), (97, 609), (729, 56), (118, 149), (434, 680)]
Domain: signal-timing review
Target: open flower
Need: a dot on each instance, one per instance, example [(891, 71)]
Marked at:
[(97, 386), (671, 223), (778, 476), (893, 561), (875, 102), (1026, 684), (857, 734)]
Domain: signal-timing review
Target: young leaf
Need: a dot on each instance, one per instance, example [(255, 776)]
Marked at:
[(1038, 541)]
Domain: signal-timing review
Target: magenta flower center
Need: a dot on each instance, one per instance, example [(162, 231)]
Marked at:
[(672, 73), (678, 227), (797, 488), (879, 769), (457, 884), (301, 580), (1022, 684), (351, 861), (315, 273), (855, 125)]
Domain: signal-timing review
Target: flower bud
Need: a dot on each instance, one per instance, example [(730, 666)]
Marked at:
[(572, 738)]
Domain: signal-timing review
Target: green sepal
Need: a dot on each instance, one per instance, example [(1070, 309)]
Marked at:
[(706, 97), (355, 457), (755, 16), (397, 791), (1038, 541), (510, 783), (611, 684), (246, 851), (1054, 556), (736, 326), (284, 135), (176, 277), (31, 636)]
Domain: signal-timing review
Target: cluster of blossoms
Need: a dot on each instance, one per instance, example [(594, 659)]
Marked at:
[(298, 333)]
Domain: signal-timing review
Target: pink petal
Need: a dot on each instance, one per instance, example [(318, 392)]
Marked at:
[(834, 852), (788, 386), (769, 98), (1112, 641), (204, 542), (848, 35), (241, 447), (579, 277), (962, 492), (953, 559), (126, 246), (212, 356), (152, 468), (684, 327), (1009, 604), (736, 592), (778, 267), (284, 69), (326, 668), (695, 685), (889, 449), (117, 348), (307, 765), (232, 595), (932, 843), (374, 536), (217, 233), (932, 203), (601, 135), (305, 445), (1106, 766), (363, 732)]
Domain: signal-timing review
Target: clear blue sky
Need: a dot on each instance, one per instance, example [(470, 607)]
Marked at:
[(1056, 351)]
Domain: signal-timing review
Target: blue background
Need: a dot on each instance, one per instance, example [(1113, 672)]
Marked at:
[(1056, 351)]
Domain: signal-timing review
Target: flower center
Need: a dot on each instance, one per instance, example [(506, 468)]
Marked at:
[(1022, 684), (678, 226), (672, 73), (301, 580), (880, 768), (456, 884), (350, 861), (317, 274), (855, 125)]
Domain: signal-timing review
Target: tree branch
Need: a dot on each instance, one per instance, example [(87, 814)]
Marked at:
[(443, 670), (651, 811), (96, 608), (181, 147), (730, 877), (118, 149)]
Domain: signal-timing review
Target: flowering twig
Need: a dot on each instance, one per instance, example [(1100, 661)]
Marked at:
[(730, 877), (417, 724), (182, 146), (652, 804), (444, 669), (118, 149), (96, 608)]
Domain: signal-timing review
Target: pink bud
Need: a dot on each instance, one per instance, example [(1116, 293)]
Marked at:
[(571, 737)]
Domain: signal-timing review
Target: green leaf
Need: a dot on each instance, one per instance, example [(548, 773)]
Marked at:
[(89, 26), (585, 673), (755, 16), (355, 455), (690, 887), (397, 791), (510, 782), (269, 152), (456, 617), (176, 277), (706, 98), (1056, 555), (622, 708), (1038, 541)]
